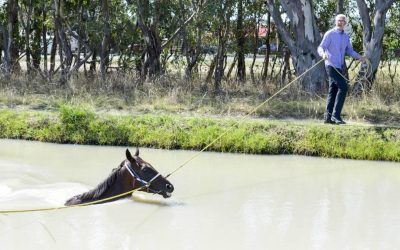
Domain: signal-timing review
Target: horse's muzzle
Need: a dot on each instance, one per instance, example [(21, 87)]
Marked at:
[(169, 190)]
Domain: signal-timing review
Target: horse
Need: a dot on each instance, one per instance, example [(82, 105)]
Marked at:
[(133, 173)]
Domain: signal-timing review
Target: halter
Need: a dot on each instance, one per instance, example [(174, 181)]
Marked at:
[(136, 177)]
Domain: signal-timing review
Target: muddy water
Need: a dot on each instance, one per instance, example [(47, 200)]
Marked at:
[(221, 201)]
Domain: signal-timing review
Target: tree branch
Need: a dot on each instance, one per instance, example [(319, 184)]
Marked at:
[(364, 13), (386, 4), (279, 23), (166, 43)]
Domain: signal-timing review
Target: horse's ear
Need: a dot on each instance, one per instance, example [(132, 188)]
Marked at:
[(137, 152), (129, 156)]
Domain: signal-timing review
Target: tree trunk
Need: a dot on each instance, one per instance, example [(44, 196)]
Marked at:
[(44, 39), (286, 66), (211, 69), (1, 42), (192, 57), (219, 66), (92, 67), (304, 42), (256, 21), (192, 52), (340, 7), (372, 42), (241, 64), (11, 51), (152, 64), (231, 67), (65, 47), (27, 30), (37, 32), (225, 12), (268, 50), (104, 52), (53, 52)]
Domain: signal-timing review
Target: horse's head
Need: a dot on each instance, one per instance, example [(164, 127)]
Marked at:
[(145, 173)]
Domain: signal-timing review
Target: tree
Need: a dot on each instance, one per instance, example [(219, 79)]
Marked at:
[(240, 37), (224, 11), (65, 52), (191, 36), (340, 7), (105, 43), (148, 17), (373, 32), (302, 39), (11, 38)]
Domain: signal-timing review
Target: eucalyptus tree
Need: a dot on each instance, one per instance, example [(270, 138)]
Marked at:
[(10, 33), (105, 43), (39, 33), (373, 16), (126, 40), (325, 12), (340, 7), (31, 21), (224, 10), (25, 13), (391, 44), (302, 38), (240, 37), (65, 52), (192, 33), (264, 72), (148, 18), (256, 10), (76, 29)]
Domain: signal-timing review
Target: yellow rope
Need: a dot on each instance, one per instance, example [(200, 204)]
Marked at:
[(257, 107), (244, 117), (181, 166), (366, 76), (64, 207)]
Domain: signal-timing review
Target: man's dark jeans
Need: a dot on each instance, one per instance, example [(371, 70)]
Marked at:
[(336, 94)]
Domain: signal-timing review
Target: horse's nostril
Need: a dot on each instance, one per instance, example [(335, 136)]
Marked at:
[(170, 188)]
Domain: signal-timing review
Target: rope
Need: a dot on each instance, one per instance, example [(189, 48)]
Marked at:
[(64, 207), (243, 118), (368, 63), (367, 73), (178, 168)]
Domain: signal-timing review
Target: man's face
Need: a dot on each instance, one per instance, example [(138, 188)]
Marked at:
[(340, 22)]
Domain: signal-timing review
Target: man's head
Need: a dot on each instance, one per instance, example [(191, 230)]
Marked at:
[(340, 21)]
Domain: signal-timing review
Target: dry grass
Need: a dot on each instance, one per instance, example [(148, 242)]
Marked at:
[(124, 93)]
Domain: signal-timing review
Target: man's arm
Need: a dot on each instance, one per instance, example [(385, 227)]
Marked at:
[(350, 51), (324, 46)]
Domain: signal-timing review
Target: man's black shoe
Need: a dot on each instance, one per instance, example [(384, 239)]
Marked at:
[(337, 120), (328, 121), (327, 118)]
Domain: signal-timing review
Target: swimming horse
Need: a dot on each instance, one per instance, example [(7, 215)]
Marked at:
[(132, 173)]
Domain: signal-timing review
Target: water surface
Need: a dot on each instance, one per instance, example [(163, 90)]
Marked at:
[(221, 201)]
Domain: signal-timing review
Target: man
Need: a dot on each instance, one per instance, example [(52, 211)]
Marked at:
[(333, 48)]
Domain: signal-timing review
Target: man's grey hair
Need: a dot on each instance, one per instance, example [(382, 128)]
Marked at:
[(340, 16)]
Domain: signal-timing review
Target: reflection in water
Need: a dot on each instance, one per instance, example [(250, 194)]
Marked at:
[(271, 202), (146, 199)]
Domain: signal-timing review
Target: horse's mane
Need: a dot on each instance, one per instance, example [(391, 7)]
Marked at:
[(101, 188)]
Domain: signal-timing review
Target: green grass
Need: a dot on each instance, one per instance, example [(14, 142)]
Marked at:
[(171, 113), (73, 124)]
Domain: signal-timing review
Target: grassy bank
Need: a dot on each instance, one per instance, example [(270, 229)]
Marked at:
[(71, 124), (171, 94)]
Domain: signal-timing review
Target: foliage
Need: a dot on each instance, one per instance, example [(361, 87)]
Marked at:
[(84, 20)]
